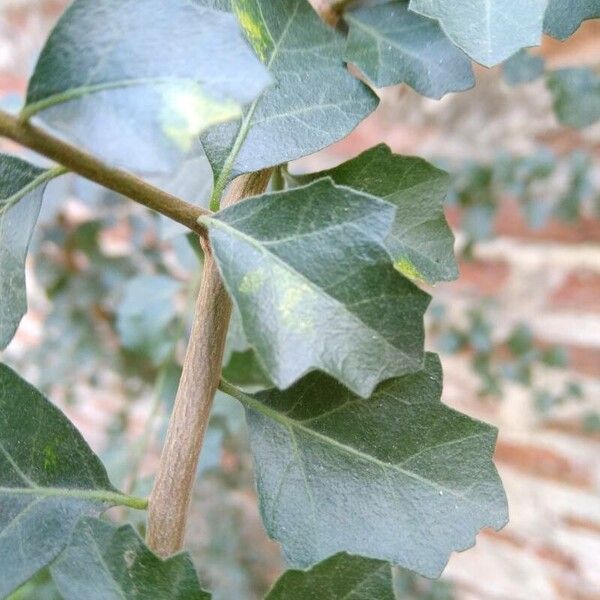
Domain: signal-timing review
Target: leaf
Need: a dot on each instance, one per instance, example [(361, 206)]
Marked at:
[(146, 315), (576, 93), (298, 115), (398, 477), (420, 241), (21, 189), (315, 288), (49, 478), (489, 31), (392, 45), (523, 67), (149, 74), (563, 17), (341, 576), (104, 562), (243, 369)]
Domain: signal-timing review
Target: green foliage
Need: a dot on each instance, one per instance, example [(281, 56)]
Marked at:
[(354, 452), (489, 31), (392, 45), (111, 82), (21, 190), (341, 576), (514, 358), (420, 242), (576, 93), (545, 187), (315, 288), (398, 477), (103, 562), (49, 478), (523, 67), (563, 17), (146, 316), (301, 53)]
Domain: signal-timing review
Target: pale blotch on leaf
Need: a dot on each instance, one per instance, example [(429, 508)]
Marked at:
[(295, 295), (408, 270), (187, 112), (252, 281), (254, 29)]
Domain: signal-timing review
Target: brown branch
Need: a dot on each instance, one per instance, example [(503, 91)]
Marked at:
[(88, 166), (171, 496)]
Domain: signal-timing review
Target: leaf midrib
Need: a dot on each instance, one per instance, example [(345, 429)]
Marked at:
[(291, 425)]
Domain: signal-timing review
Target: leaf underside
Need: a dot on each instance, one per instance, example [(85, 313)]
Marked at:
[(112, 70), (309, 274), (489, 31), (398, 477), (20, 202)]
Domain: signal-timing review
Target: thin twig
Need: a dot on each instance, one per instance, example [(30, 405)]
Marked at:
[(90, 167)]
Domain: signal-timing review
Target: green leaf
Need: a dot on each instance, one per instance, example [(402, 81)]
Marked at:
[(298, 115), (563, 17), (315, 288), (21, 189), (243, 369), (338, 577), (151, 74), (576, 93), (398, 477), (146, 315), (489, 31), (420, 241), (523, 67), (104, 562), (392, 45), (49, 478)]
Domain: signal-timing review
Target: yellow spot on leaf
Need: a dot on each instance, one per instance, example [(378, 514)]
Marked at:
[(252, 281), (254, 29), (408, 269), (295, 298), (188, 111)]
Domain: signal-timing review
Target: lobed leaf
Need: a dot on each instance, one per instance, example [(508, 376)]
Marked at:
[(308, 271), (49, 478), (392, 45), (420, 241), (576, 94), (397, 477), (341, 576), (489, 31), (298, 114), (563, 17), (21, 189), (104, 562), (123, 74)]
